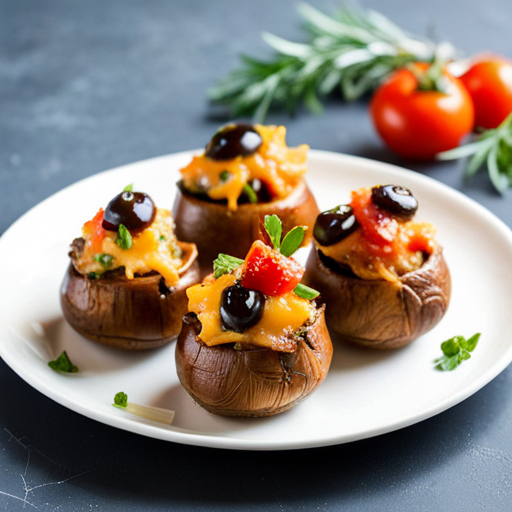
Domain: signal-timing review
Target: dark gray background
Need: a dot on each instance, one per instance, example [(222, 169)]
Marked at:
[(86, 86)]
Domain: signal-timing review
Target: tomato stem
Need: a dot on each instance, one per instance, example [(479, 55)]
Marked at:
[(432, 78)]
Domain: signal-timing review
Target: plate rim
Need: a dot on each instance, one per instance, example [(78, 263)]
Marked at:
[(238, 443)]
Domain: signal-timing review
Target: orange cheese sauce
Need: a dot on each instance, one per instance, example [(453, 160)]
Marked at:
[(154, 249), (274, 164), (382, 248), (282, 316)]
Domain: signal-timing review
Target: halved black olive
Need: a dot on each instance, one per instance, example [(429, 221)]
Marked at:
[(232, 140), (397, 200), (241, 308), (334, 225), (135, 210)]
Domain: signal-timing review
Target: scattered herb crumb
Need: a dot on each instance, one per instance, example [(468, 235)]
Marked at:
[(151, 413), (455, 350), (63, 364)]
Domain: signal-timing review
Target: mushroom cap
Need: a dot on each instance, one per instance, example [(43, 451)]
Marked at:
[(216, 229), (134, 314), (378, 313), (252, 381)]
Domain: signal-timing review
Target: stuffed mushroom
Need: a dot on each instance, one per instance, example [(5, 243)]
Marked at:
[(246, 172), (127, 279), (382, 275), (254, 342)]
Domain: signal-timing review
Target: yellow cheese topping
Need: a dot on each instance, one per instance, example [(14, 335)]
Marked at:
[(274, 164), (355, 252), (282, 316), (154, 249)]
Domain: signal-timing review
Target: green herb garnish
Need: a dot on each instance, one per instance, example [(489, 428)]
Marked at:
[(352, 51), (128, 188), (293, 240), (274, 228), (104, 259), (162, 238), (93, 275), (63, 364), (306, 292), (249, 192), (455, 350), (224, 264), (224, 176), (124, 238), (151, 413), (494, 148)]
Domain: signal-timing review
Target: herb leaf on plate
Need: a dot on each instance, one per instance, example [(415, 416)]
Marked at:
[(455, 351)]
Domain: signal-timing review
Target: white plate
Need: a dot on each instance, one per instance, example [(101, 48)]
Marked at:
[(366, 393)]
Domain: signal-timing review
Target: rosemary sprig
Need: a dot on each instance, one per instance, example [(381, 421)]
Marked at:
[(494, 148), (354, 50)]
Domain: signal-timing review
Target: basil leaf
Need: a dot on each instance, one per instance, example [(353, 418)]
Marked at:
[(274, 228), (472, 342), (293, 240), (305, 292), (63, 364), (124, 238), (224, 264)]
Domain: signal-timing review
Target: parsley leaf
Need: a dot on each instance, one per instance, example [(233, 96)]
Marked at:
[(128, 188), (293, 240), (124, 238), (274, 228), (224, 176), (305, 292), (224, 264), (455, 350), (121, 400), (63, 364), (249, 192), (104, 259)]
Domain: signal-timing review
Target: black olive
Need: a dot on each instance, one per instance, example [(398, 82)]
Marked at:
[(135, 210), (398, 201), (334, 225), (241, 308), (233, 140)]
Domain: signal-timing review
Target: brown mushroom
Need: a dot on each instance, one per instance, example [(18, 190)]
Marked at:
[(378, 313), (216, 229), (133, 314), (252, 381)]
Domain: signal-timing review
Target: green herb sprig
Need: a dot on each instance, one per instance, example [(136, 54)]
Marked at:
[(353, 50), (63, 364), (145, 411), (455, 351), (493, 148), (224, 264), (104, 259), (124, 238)]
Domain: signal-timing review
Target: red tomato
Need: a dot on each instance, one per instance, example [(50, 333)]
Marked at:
[(270, 272), (93, 230), (489, 82), (419, 124)]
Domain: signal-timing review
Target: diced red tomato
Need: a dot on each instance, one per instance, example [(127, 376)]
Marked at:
[(269, 272), (94, 232), (379, 228)]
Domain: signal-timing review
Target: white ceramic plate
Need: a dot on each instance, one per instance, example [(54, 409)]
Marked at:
[(366, 393)]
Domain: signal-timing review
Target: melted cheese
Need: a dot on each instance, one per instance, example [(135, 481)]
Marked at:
[(154, 249), (371, 262), (282, 316), (274, 164)]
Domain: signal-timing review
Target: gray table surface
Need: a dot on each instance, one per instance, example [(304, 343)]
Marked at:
[(87, 86)]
